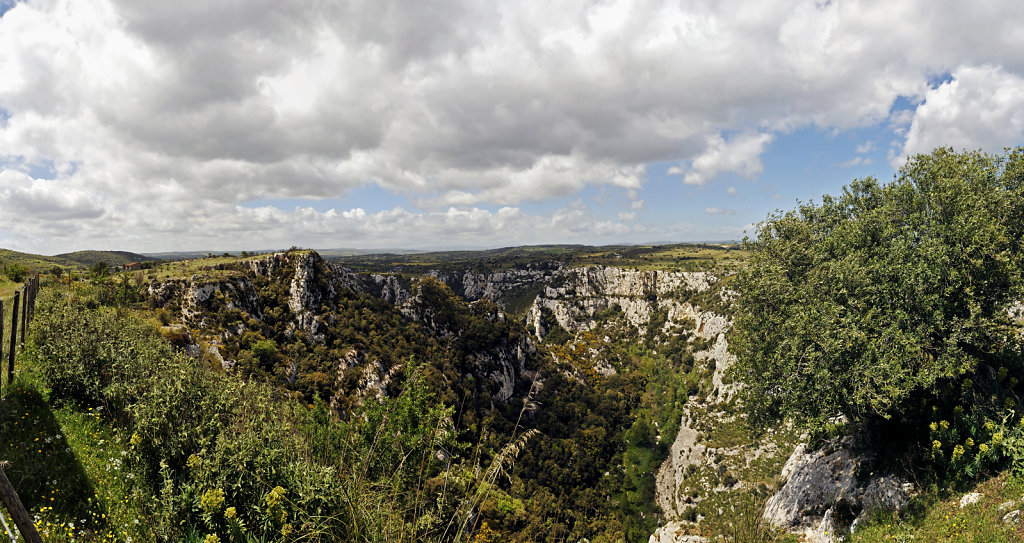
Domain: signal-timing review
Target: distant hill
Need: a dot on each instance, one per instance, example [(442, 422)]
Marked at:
[(681, 256), (112, 258), (37, 263)]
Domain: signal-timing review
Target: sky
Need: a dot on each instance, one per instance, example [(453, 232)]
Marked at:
[(434, 124)]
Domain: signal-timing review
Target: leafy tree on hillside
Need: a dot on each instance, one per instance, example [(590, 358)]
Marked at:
[(890, 304), (15, 272), (99, 270)]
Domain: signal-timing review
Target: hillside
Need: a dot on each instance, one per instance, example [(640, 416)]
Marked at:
[(600, 362), (112, 258), (683, 256), (626, 367), (36, 262)]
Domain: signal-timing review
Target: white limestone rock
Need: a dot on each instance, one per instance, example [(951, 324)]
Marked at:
[(818, 481), (672, 533)]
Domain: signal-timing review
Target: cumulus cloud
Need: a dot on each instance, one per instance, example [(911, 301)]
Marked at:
[(981, 107), (164, 117), (740, 155)]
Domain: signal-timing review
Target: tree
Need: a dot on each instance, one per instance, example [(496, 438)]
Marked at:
[(878, 303), (57, 271), (15, 272), (99, 269)]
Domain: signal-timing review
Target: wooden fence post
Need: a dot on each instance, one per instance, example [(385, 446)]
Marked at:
[(2, 340), (24, 310), (17, 510), (14, 339), (35, 292)]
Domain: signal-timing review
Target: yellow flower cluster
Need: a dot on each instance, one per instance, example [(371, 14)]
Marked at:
[(212, 500)]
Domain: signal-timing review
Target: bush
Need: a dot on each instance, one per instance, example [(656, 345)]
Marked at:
[(890, 304), (15, 272), (239, 459)]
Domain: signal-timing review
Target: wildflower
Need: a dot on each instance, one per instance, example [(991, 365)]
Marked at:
[(136, 439), (212, 500), (989, 425), (286, 529), (230, 513), (212, 538), (958, 451), (934, 427), (969, 443), (936, 445), (983, 448), (274, 497), (944, 425), (997, 438)]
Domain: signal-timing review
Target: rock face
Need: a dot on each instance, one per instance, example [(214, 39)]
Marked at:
[(314, 287), (203, 294), (575, 296), (685, 451), (822, 486), (494, 286), (672, 533)]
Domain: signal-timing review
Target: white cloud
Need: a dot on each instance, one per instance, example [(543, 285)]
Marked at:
[(718, 211), (731, 191), (856, 161), (162, 117), (740, 155), (980, 108)]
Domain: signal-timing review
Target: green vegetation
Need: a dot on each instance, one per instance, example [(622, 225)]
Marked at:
[(109, 374), (934, 518), (894, 305), (183, 451)]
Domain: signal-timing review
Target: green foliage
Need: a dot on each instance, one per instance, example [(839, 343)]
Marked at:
[(99, 270), (887, 294), (91, 355), (15, 272), (203, 443)]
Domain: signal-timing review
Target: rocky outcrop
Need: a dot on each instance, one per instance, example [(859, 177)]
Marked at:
[(576, 296), (675, 532), (312, 285), (201, 295), (685, 451), (496, 285), (389, 288), (821, 487)]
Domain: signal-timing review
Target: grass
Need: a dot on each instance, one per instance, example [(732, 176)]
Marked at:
[(65, 461), (66, 465), (932, 518)]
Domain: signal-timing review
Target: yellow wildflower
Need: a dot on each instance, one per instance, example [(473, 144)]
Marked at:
[(212, 500)]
